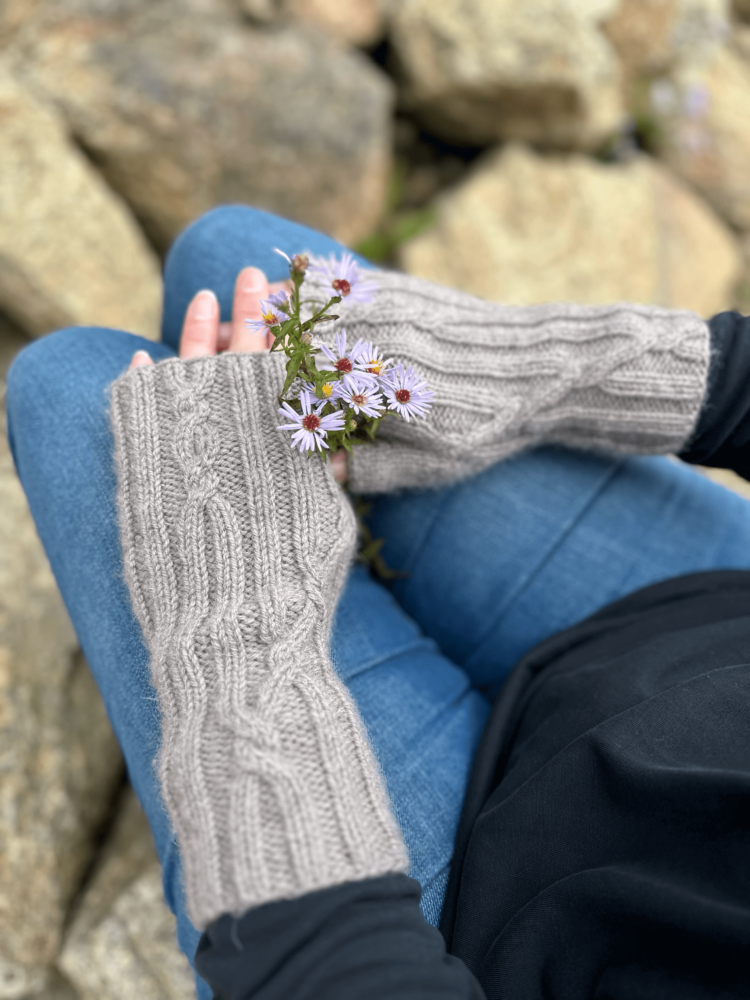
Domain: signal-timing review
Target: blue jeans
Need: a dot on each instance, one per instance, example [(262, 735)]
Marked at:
[(495, 564)]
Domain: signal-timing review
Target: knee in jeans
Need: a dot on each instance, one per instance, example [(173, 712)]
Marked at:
[(209, 230), (57, 358)]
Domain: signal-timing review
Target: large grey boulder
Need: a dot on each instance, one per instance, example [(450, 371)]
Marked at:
[(121, 944), (185, 112), (480, 70), (525, 229), (59, 760), (70, 250)]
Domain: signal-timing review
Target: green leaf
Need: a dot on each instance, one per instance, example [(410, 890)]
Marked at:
[(291, 373)]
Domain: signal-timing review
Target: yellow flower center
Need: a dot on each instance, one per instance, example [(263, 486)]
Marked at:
[(376, 367), (326, 389)]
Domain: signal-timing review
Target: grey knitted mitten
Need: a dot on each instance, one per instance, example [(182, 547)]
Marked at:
[(236, 548), (626, 377)]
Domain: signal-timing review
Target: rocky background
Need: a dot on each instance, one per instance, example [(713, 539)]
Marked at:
[(591, 150)]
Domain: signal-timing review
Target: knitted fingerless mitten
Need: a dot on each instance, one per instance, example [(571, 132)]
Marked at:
[(235, 549), (505, 378)]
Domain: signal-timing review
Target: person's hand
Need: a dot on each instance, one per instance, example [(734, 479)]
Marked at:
[(204, 334)]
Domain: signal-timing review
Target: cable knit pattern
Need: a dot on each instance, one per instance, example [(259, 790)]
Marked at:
[(236, 549), (506, 378)]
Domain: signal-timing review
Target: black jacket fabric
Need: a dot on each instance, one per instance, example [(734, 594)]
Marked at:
[(604, 846)]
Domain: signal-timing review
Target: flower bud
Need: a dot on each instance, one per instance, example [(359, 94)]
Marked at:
[(300, 263), (306, 338)]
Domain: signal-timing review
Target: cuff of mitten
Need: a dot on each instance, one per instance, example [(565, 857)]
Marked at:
[(235, 550), (648, 404)]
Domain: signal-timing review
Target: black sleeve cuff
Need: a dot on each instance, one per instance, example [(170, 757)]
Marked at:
[(359, 941), (722, 435)]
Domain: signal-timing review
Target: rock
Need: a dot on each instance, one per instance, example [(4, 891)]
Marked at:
[(526, 229), (741, 41), (481, 70), (122, 943), (707, 133), (183, 113), (59, 760), (356, 22), (352, 22), (12, 340), (742, 301), (57, 988), (70, 252), (654, 36), (730, 480), (12, 15)]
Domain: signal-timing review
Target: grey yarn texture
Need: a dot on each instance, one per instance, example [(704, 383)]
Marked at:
[(235, 549), (623, 377)]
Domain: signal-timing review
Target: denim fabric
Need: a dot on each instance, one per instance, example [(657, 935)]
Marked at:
[(495, 564)]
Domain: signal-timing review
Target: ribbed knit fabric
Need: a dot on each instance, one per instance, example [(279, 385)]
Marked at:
[(505, 378), (235, 549)]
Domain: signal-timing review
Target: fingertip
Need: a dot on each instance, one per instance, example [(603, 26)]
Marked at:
[(250, 287), (204, 304), (252, 280), (201, 328), (141, 358)]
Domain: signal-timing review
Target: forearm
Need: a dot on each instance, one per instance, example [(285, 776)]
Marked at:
[(623, 377), (366, 940), (235, 550)]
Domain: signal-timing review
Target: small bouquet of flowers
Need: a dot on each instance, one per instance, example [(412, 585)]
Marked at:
[(334, 398)]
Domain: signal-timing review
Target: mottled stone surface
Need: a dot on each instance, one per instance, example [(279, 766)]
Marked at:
[(121, 943), (526, 229), (70, 251), (653, 36), (59, 760), (479, 70), (356, 22), (183, 113), (12, 15), (707, 132)]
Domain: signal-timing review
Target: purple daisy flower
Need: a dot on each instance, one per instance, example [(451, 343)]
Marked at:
[(367, 400), (331, 391), (405, 394), (345, 361), (344, 276), (370, 361), (310, 429), (271, 313)]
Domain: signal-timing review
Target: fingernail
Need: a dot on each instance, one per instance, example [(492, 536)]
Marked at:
[(141, 358), (205, 304), (252, 279)]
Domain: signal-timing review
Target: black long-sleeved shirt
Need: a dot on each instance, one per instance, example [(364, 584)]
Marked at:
[(603, 845)]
